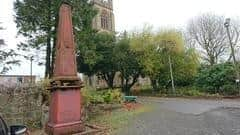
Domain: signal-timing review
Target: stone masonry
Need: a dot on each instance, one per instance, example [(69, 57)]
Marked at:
[(104, 20), (21, 105)]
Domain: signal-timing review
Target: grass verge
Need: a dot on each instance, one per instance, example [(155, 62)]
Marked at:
[(116, 119)]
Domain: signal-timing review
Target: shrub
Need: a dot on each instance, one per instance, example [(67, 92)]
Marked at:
[(46, 94), (91, 97), (230, 90), (191, 91), (98, 97), (117, 96), (216, 78), (107, 96)]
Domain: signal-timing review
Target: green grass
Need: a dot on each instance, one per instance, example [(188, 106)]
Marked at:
[(116, 119)]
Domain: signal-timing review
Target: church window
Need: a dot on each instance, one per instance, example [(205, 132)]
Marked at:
[(104, 21)]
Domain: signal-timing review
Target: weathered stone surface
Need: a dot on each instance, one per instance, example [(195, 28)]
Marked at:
[(21, 105), (65, 105)]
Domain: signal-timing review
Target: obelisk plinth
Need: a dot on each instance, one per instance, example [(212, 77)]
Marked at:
[(65, 104)]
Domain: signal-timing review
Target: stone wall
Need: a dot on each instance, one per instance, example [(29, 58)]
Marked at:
[(21, 105)]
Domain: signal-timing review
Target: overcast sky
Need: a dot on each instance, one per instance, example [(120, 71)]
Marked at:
[(129, 15)]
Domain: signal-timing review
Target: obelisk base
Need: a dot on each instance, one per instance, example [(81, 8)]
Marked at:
[(65, 113), (65, 129)]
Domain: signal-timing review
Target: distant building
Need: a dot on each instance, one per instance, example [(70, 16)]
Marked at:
[(104, 20), (14, 80)]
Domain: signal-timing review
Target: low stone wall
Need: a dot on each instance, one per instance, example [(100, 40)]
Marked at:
[(21, 105)]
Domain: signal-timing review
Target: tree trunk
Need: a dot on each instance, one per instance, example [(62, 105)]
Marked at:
[(212, 60), (122, 83), (48, 57), (154, 85), (53, 56), (109, 78), (90, 82), (48, 48), (126, 87), (54, 45)]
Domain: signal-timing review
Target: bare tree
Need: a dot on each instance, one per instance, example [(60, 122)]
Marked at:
[(208, 32), (189, 41)]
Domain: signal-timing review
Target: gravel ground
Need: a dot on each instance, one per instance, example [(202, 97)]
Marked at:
[(186, 117)]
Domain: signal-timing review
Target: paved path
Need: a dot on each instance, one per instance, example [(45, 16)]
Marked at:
[(186, 117)]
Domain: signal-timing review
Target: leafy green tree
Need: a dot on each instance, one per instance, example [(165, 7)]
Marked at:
[(144, 43), (154, 52), (37, 21), (106, 66), (127, 63), (187, 65), (217, 79), (184, 61)]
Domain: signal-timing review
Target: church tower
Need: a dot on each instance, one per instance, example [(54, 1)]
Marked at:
[(104, 20)]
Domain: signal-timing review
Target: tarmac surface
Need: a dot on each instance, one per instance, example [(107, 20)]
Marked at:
[(186, 117)]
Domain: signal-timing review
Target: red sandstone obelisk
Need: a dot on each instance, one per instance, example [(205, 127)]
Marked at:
[(65, 104)]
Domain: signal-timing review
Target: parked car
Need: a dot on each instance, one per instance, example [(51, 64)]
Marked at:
[(12, 130)]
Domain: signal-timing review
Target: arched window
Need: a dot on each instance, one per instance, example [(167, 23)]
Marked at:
[(105, 20)]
